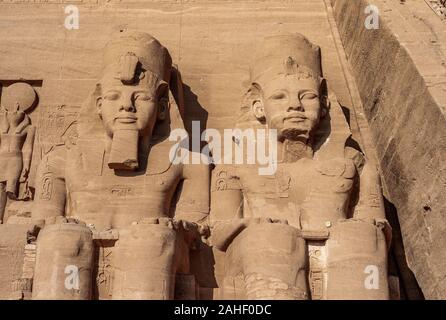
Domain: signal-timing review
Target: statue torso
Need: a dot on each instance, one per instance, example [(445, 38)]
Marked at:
[(12, 143), (310, 194), (109, 199)]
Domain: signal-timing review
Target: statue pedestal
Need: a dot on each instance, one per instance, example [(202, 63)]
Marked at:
[(16, 261)]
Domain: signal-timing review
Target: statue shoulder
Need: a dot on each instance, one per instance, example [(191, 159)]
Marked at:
[(356, 156)]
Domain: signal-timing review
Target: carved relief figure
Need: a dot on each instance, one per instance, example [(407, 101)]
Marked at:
[(317, 227), (16, 145), (113, 183)]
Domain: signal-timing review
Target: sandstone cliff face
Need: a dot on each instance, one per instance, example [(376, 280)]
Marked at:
[(400, 71)]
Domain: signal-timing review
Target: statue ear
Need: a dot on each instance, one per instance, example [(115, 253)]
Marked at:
[(97, 95), (163, 107), (325, 101), (258, 110), (163, 100), (257, 103), (99, 105)]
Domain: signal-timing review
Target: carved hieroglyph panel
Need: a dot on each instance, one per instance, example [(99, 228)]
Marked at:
[(55, 126)]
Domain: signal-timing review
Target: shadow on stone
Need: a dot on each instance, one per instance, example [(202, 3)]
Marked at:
[(409, 288)]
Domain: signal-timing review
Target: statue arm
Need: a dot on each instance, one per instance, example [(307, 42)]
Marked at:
[(193, 202), (4, 124), (371, 203), (225, 229), (24, 124), (227, 207), (27, 151), (50, 196)]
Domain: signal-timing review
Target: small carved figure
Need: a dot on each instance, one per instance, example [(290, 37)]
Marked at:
[(17, 139)]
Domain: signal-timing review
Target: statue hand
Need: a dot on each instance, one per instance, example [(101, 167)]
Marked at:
[(385, 226)]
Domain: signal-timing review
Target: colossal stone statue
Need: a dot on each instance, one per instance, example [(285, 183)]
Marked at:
[(113, 206), (316, 228), (116, 216)]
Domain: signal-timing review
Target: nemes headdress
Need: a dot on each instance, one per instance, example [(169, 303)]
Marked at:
[(130, 54), (130, 57), (294, 54), (286, 54)]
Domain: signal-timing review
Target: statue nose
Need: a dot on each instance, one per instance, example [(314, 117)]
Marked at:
[(128, 107), (296, 105)]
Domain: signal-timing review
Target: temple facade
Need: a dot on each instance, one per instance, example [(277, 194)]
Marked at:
[(208, 150)]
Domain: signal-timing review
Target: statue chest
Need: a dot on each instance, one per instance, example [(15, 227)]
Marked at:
[(291, 181), (321, 188), (275, 196), (87, 172), (109, 198), (12, 142), (122, 185)]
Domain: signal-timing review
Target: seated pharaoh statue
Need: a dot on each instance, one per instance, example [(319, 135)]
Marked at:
[(119, 216), (316, 228)]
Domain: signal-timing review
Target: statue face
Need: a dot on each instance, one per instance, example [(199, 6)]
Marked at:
[(128, 107), (290, 105)]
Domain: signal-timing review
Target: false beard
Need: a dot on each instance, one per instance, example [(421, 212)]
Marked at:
[(124, 150), (294, 150)]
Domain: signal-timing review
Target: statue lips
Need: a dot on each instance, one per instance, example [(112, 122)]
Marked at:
[(294, 117), (126, 118)]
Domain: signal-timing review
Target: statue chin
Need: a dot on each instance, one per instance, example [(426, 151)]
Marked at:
[(294, 134)]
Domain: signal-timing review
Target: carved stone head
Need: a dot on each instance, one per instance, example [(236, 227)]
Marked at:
[(287, 85), (132, 93)]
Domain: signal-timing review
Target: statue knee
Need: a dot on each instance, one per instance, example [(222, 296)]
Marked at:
[(146, 259), (357, 261), (272, 258), (64, 262)]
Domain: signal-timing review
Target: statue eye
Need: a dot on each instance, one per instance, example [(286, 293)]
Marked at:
[(308, 96), (112, 95), (278, 96), (143, 97)]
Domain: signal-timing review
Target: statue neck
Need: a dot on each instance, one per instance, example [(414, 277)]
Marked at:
[(293, 151)]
